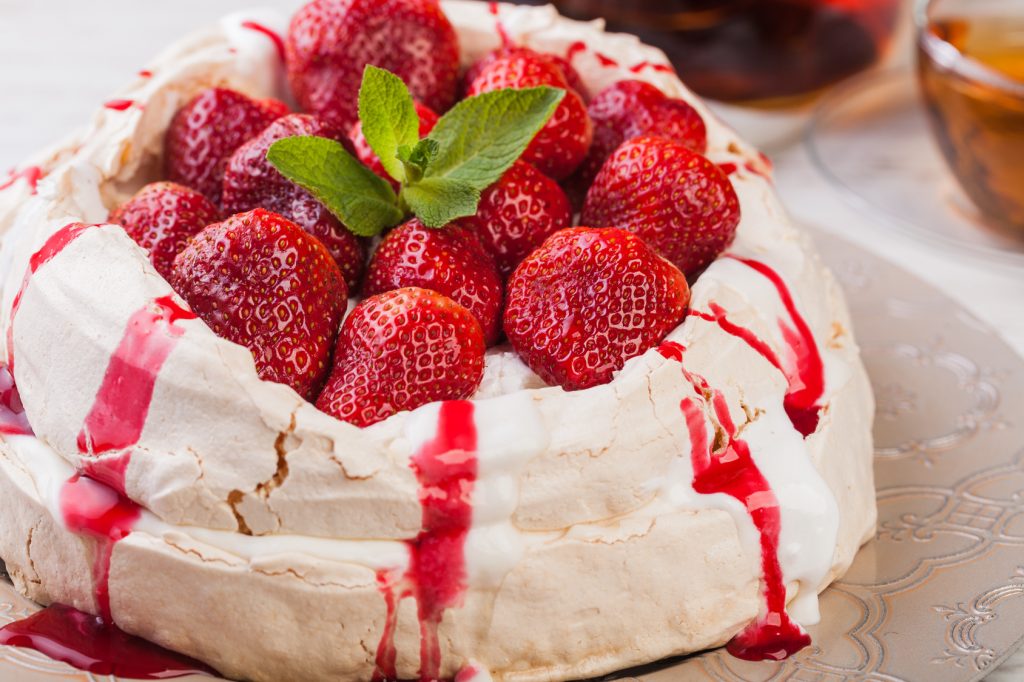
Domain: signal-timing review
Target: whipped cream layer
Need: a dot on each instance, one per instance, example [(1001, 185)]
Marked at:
[(582, 503)]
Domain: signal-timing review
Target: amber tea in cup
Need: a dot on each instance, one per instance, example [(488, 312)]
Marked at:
[(971, 68)]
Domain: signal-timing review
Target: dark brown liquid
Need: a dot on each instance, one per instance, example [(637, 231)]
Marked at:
[(978, 122), (737, 50)]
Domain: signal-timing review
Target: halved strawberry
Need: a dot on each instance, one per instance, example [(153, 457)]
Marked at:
[(161, 218), (517, 213), (207, 130), (369, 157), (634, 108), (261, 281), (587, 301), (681, 203), (330, 42), (562, 143), (250, 181), (449, 260), (400, 350)]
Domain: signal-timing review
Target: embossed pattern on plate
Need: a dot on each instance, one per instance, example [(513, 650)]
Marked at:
[(939, 593)]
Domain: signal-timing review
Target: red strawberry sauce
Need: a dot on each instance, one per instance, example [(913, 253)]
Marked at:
[(119, 411), (446, 468), (53, 246), (92, 503), (270, 33), (120, 104), (13, 420), (802, 365), (31, 175), (94, 643), (773, 636)]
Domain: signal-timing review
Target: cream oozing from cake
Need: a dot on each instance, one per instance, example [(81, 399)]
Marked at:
[(529, 439)]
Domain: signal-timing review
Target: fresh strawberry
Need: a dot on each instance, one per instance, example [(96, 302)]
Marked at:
[(562, 143), (572, 77), (274, 108), (162, 217), (449, 260), (633, 108), (250, 181), (517, 213), (206, 131), (261, 281), (587, 301), (369, 157), (685, 208), (399, 350), (330, 42)]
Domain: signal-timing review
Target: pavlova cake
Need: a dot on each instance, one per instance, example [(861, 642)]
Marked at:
[(402, 339)]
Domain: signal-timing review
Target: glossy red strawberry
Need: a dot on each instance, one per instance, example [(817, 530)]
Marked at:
[(683, 205), (369, 157), (562, 144), (634, 108), (274, 108), (207, 130), (587, 301), (400, 350), (250, 181), (450, 261), (161, 218), (261, 281), (572, 77), (330, 42), (517, 213)]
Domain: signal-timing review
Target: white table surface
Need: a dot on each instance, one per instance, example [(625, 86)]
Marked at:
[(59, 59)]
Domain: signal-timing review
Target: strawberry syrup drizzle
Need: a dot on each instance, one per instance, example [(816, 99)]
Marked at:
[(121, 104), (92, 503), (270, 33), (574, 49), (94, 643), (446, 468), (98, 511), (53, 246), (660, 68), (31, 175), (506, 39), (121, 406), (13, 421), (732, 471), (802, 366), (579, 46)]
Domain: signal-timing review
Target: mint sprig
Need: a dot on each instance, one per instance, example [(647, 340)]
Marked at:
[(388, 118), (440, 177), (364, 202)]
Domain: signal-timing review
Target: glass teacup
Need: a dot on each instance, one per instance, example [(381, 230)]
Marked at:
[(971, 68)]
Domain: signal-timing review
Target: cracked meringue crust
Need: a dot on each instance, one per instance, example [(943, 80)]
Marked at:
[(588, 551)]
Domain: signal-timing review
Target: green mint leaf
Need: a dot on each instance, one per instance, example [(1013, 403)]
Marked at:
[(438, 201), (388, 117), (417, 159), (480, 137), (421, 154), (363, 201)]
